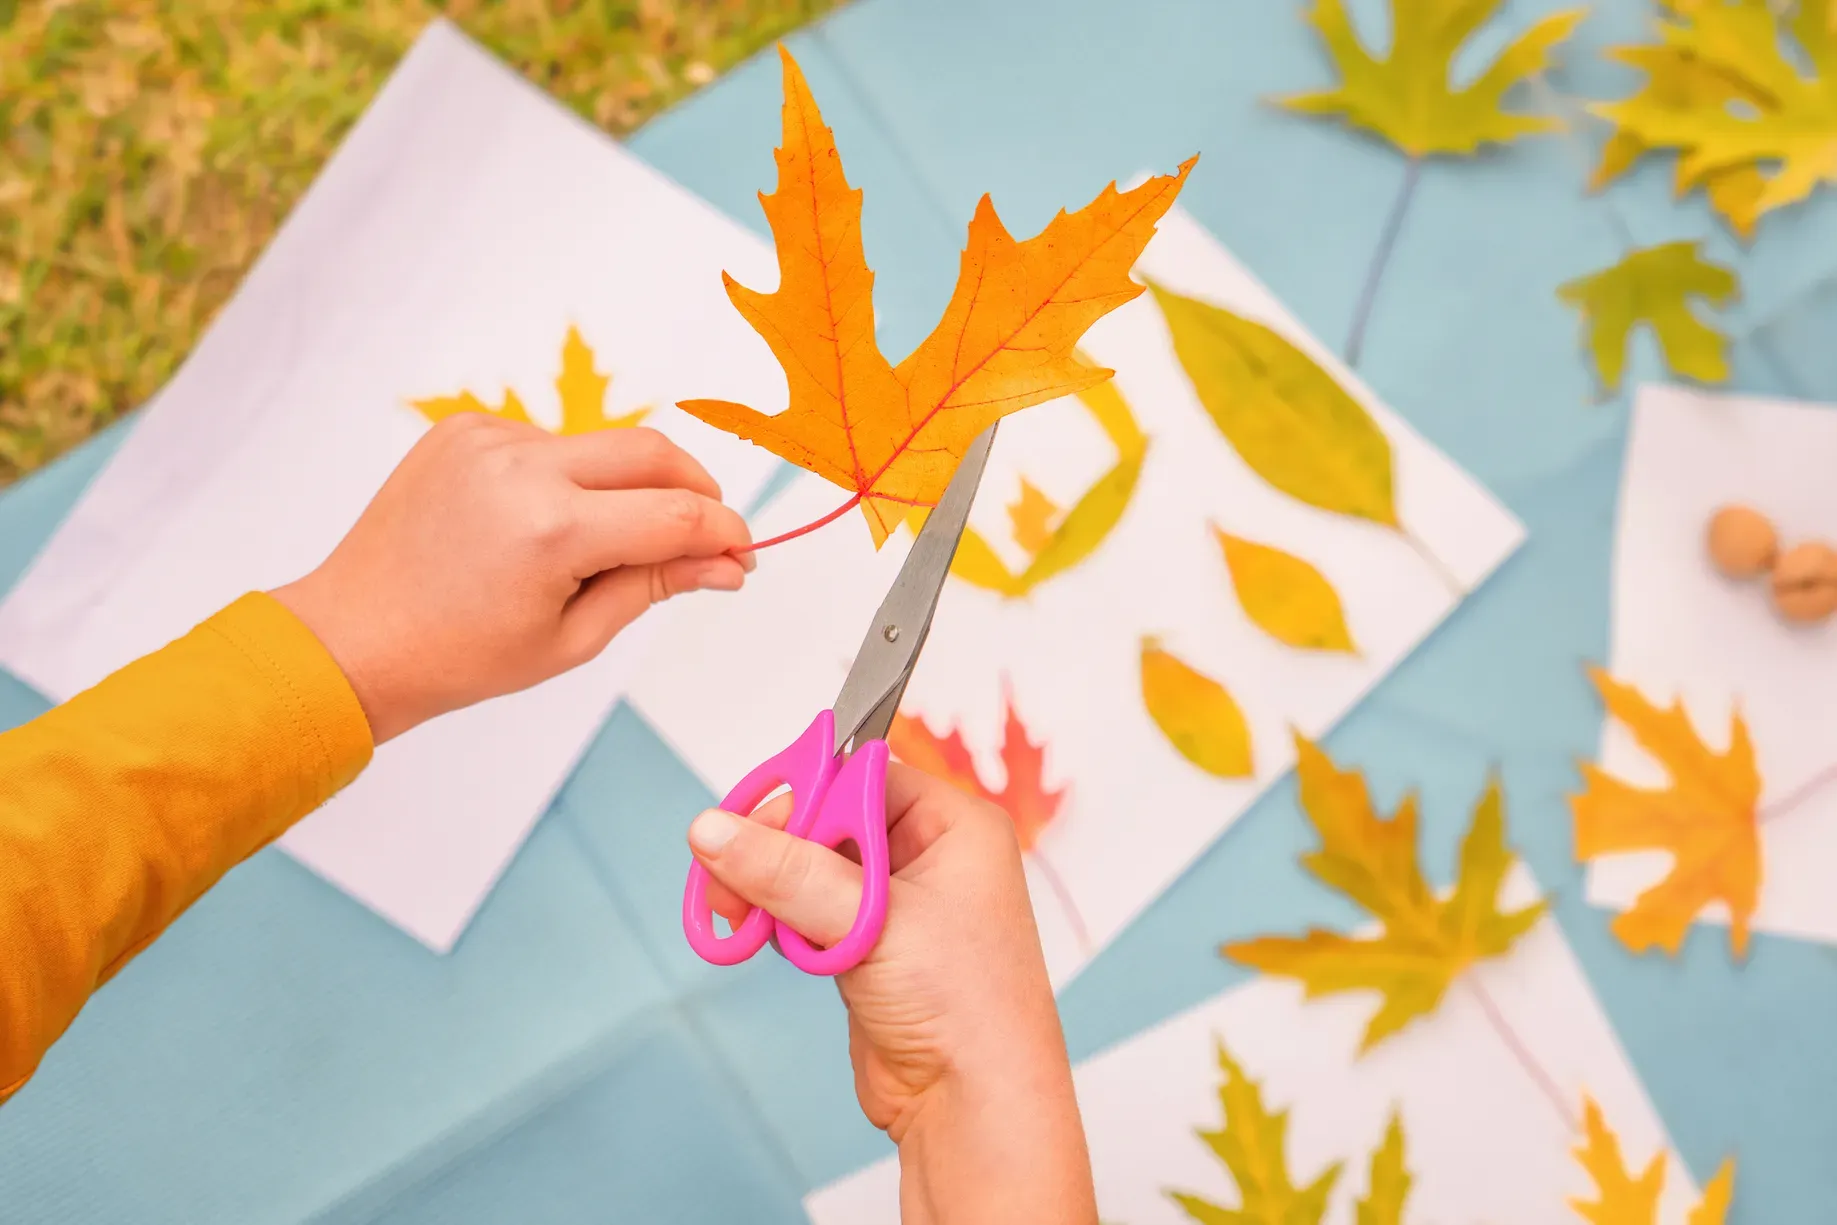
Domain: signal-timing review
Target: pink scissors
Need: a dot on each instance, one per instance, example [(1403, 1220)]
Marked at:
[(837, 769)]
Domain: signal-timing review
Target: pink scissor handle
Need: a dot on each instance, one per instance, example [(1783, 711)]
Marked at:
[(807, 767), (854, 810)]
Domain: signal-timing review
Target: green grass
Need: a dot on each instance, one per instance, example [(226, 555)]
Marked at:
[(149, 148)]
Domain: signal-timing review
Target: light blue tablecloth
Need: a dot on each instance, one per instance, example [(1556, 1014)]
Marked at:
[(284, 1056)]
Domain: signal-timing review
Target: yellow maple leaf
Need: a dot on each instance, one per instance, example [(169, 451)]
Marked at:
[(1411, 99), (1678, 81), (1654, 286), (1031, 515), (1622, 1198), (1389, 1184), (1706, 819), (1733, 99), (1427, 941), (890, 435), (1252, 1144), (582, 390)]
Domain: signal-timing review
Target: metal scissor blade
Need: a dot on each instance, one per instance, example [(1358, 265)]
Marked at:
[(870, 696)]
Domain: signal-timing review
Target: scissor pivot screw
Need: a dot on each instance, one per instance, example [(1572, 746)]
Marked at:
[(890, 632)]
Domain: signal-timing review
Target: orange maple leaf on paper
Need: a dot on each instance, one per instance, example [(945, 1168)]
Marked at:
[(893, 435), (1706, 819), (1023, 796)]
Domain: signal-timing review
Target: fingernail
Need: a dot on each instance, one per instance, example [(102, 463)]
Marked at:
[(716, 574), (749, 559), (712, 831)]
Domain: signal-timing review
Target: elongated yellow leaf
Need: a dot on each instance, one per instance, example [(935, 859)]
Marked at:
[(1084, 528), (1286, 597), (1196, 714), (1654, 286), (1290, 420), (1390, 1181)]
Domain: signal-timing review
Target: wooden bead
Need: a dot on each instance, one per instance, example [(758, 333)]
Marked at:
[(1742, 542), (1805, 582)]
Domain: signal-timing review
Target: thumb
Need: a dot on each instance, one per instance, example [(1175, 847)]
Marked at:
[(807, 886)]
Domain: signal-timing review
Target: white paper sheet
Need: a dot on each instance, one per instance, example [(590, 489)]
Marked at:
[(466, 224), (1482, 1139), (1681, 630), (1137, 813)]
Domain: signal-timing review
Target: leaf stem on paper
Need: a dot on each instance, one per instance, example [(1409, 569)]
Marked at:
[(1064, 895), (1380, 259), (1798, 795), (1545, 1082), (1443, 571)]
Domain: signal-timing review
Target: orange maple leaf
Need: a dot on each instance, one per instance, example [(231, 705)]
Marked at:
[(893, 435), (1024, 796), (1706, 819), (1031, 515)]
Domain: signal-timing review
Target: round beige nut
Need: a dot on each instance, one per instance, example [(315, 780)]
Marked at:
[(1805, 582), (1742, 542)]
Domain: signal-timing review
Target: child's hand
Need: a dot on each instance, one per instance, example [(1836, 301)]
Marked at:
[(952, 1029), (498, 555)]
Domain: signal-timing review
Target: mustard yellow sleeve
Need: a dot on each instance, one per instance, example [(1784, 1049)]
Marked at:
[(119, 808)]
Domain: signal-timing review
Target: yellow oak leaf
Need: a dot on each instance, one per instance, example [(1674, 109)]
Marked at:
[(1285, 596), (1253, 1144), (1654, 286), (1411, 98), (1735, 98), (1031, 515), (1082, 529), (1706, 819), (892, 436), (1198, 715), (1426, 942), (1290, 420), (1389, 1184), (582, 390), (1622, 1198)]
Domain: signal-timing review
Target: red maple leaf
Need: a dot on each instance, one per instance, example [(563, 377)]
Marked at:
[(1024, 796)]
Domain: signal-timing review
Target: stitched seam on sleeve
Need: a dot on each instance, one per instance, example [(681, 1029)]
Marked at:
[(293, 700)]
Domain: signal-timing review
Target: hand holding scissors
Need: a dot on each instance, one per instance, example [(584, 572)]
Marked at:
[(836, 770)]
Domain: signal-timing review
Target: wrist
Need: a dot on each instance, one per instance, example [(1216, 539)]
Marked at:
[(998, 1138), (318, 610)]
